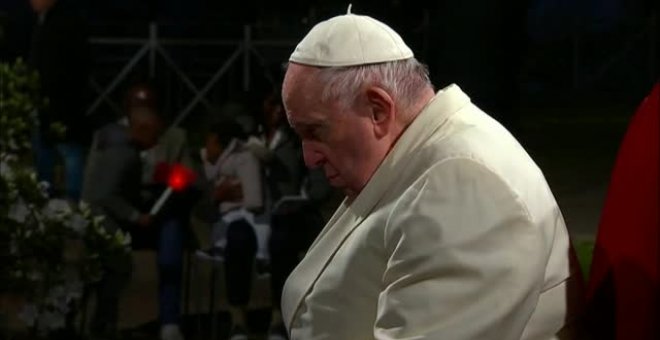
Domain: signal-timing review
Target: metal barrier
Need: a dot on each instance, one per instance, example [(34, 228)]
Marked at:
[(153, 47), (246, 48)]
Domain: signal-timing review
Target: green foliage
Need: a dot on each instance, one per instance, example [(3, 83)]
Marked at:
[(50, 249), (584, 250), (19, 102)]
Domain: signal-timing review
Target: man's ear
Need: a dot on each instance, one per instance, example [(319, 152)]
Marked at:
[(383, 110)]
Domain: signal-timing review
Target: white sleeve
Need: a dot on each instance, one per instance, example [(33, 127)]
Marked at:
[(466, 261), (249, 173)]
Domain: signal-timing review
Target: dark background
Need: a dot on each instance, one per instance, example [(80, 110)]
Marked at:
[(503, 53)]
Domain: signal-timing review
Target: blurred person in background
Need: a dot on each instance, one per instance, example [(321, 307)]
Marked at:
[(235, 186), (59, 52), (122, 178), (227, 166), (170, 234), (172, 146), (112, 183)]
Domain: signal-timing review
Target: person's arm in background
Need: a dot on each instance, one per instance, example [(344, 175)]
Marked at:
[(106, 172), (173, 150), (288, 161), (249, 176), (207, 207)]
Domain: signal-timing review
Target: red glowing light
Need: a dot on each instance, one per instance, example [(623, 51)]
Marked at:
[(180, 177)]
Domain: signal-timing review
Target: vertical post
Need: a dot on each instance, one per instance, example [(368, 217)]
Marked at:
[(247, 47), (153, 37)]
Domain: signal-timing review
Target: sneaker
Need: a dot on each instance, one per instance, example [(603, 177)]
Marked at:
[(277, 332), (238, 333), (212, 254), (170, 332)]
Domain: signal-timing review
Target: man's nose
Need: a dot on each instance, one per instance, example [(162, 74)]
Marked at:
[(313, 157)]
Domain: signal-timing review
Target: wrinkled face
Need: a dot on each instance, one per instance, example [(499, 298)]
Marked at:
[(41, 6), (341, 141)]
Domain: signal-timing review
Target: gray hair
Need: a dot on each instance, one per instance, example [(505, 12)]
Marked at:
[(404, 80)]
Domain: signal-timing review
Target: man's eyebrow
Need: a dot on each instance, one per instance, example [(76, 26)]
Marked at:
[(307, 122)]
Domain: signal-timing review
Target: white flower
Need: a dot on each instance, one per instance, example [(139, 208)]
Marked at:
[(35, 276), (28, 314), (5, 170), (127, 240), (78, 224), (43, 188), (57, 208), (58, 298), (19, 211), (83, 207), (7, 157), (99, 219), (123, 239)]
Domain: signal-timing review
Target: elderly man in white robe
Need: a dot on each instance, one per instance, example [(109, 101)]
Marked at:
[(448, 230)]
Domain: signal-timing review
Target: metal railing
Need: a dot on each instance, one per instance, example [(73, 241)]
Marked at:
[(154, 46), (246, 49)]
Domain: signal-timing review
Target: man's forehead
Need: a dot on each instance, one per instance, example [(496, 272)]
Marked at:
[(304, 118), (300, 94), (299, 76)]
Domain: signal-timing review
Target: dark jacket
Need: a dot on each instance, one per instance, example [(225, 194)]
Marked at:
[(113, 177), (60, 53)]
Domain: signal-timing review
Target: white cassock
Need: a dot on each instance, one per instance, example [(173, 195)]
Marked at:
[(456, 236)]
